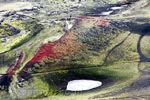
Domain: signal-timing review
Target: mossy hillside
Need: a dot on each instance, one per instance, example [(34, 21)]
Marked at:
[(54, 83), (37, 86), (119, 76), (33, 33), (15, 23), (106, 40), (145, 46), (34, 87), (126, 51), (7, 46), (28, 29), (4, 31), (43, 88), (22, 24)]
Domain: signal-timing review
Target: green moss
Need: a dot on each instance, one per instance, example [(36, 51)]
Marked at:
[(33, 33), (5, 30), (18, 24), (22, 25), (29, 25), (43, 88), (1, 31)]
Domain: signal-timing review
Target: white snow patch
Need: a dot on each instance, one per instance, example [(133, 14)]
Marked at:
[(81, 85), (106, 13), (116, 8)]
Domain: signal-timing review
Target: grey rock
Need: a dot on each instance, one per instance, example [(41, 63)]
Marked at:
[(9, 13), (3, 40), (1, 19)]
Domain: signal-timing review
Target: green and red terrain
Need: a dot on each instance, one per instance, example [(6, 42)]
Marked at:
[(44, 44)]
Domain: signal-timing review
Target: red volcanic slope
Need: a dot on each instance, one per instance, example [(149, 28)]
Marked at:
[(96, 20), (65, 46), (12, 69)]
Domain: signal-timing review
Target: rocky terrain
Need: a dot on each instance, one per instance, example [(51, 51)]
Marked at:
[(44, 44)]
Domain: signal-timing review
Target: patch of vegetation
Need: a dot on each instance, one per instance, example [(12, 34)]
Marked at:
[(30, 25), (9, 28), (42, 88), (35, 30), (114, 78), (4, 31), (16, 23)]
